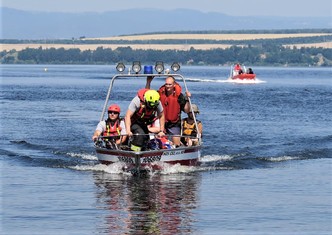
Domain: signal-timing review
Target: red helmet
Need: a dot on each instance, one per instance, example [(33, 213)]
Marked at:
[(114, 108)]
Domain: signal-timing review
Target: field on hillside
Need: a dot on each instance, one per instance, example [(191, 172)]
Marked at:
[(210, 36), (154, 46)]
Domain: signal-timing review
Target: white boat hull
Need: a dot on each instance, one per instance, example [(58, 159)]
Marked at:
[(188, 156)]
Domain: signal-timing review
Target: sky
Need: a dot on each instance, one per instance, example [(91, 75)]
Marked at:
[(296, 8)]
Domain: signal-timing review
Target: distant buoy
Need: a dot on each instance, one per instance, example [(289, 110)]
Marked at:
[(45, 69)]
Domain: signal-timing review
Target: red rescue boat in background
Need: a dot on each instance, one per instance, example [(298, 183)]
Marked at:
[(239, 72)]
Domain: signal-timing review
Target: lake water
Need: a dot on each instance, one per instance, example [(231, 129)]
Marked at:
[(265, 167)]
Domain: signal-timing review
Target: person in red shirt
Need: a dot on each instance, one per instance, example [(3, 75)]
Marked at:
[(238, 69)]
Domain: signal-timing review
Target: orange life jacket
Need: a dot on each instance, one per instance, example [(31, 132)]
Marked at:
[(145, 114), (189, 129), (112, 128), (172, 109)]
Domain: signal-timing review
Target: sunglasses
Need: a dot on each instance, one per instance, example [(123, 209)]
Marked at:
[(112, 112)]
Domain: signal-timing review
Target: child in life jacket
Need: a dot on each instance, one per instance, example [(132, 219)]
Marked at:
[(154, 128), (113, 127), (188, 127), (156, 141)]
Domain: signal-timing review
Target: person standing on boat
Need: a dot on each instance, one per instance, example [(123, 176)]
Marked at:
[(173, 102), (113, 126), (238, 69), (141, 113), (189, 127)]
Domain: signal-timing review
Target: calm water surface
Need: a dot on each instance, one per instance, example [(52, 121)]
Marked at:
[(265, 167)]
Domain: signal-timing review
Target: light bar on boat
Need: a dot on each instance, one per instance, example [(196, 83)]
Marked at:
[(175, 67), (159, 67), (136, 67), (148, 69), (120, 67)]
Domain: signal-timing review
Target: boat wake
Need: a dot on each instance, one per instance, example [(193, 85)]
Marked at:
[(46, 156), (39, 155), (203, 80), (206, 163), (119, 168), (115, 168), (239, 81), (244, 81), (84, 156)]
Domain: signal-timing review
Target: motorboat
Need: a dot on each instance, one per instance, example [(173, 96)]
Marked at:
[(147, 158), (239, 72)]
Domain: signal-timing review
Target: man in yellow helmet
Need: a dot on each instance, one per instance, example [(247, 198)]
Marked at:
[(141, 113)]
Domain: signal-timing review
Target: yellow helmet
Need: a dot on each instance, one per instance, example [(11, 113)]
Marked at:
[(152, 98)]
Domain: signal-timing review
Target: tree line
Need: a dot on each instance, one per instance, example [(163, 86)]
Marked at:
[(266, 54), (83, 41)]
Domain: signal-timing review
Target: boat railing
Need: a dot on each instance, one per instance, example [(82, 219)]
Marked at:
[(109, 142)]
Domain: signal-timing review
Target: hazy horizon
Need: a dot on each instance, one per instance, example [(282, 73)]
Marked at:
[(286, 8)]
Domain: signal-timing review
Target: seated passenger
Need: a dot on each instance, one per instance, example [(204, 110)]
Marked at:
[(154, 128), (160, 143), (189, 128), (157, 142), (112, 127), (250, 71)]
